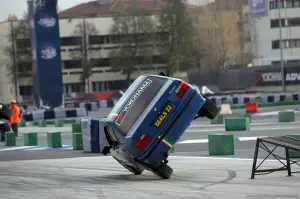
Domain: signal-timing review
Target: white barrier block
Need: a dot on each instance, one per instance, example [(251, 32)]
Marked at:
[(288, 97), (103, 104), (86, 134), (81, 112), (38, 115), (225, 109), (82, 105), (60, 113), (94, 106)]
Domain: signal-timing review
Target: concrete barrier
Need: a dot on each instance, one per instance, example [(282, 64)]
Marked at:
[(76, 128), (225, 109), (221, 144), (42, 123), (10, 139), (237, 124), (294, 153), (30, 139), (218, 120), (93, 136), (54, 139), (59, 123), (286, 116), (248, 115), (77, 141)]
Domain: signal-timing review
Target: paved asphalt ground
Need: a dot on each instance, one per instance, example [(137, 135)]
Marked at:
[(65, 173)]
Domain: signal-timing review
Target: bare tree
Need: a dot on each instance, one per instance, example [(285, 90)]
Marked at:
[(18, 50), (134, 33), (219, 36), (177, 22), (82, 31)]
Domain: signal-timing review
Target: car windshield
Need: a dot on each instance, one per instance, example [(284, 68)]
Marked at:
[(134, 102)]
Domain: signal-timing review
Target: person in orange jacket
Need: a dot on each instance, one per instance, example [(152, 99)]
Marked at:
[(15, 119)]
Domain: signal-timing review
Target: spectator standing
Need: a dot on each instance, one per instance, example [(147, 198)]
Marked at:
[(15, 119)]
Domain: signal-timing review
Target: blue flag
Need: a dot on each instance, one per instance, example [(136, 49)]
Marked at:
[(45, 44)]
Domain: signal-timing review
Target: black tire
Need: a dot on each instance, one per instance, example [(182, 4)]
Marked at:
[(164, 171), (5, 112), (209, 109), (106, 150), (134, 170)]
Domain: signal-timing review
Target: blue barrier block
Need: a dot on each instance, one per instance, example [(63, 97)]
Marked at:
[(223, 99), (88, 106), (95, 145), (71, 113), (235, 100), (281, 98), (270, 98), (28, 117), (246, 99), (295, 97), (110, 104), (48, 115)]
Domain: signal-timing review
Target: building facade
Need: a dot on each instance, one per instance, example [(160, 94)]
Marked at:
[(99, 46), (266, 34)]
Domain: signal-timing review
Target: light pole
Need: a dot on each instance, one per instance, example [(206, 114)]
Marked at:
[(14, 66), (281, 48)]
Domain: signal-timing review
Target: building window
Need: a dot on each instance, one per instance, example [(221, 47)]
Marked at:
[(292, 3), (23, 43), (275, 44), (26, 90), (294, 22), (72, 64), (293, 61), (96, 39), (74, 88), (290, 43), (24, 67), (70, 41), (275, 4), (117, 85), (97, 86), (104, 62), (275, 23)]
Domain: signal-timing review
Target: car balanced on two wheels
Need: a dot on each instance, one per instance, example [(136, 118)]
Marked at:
[(149, 119)]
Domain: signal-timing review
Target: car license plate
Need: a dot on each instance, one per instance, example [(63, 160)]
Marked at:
[(162, 115)]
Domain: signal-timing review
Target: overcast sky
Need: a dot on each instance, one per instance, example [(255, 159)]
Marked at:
[(18, 7)]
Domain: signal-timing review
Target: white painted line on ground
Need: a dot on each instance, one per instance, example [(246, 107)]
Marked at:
[(219, 158), (16, 148), (91, 159), (193, 141), (252, 124), (249, 138), (251, 129), (199, 141)]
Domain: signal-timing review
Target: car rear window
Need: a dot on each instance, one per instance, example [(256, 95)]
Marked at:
[(136, 103)]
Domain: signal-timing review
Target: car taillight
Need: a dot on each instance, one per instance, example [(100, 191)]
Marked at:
[(182, 89), (143, 142)]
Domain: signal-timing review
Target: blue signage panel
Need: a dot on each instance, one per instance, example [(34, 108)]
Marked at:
[(45, 41), (258, 8)]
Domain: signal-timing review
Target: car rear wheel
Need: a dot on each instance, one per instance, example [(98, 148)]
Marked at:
[(209, 109), (164, 171), (132, 169)]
